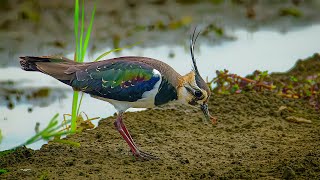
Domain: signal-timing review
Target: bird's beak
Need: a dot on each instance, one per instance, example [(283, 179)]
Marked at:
[(204, 108)]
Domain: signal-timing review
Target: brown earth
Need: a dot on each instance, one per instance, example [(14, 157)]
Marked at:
[(253, 139)]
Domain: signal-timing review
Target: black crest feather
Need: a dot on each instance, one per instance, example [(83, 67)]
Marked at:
[(193, 40), (200, 82)]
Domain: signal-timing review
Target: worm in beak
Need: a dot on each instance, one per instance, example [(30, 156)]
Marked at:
[(204, 108)]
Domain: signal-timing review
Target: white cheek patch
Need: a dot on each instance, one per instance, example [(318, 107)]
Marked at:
[(184, 96)]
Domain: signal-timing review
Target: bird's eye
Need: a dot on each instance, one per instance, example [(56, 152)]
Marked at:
[(198, 93)]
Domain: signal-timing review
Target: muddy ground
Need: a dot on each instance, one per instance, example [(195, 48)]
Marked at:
[(252, 139)]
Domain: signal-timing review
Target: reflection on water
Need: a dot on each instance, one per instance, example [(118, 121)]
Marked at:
[(264, 50)]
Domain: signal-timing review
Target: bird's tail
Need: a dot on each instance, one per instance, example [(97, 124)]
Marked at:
[(53, 66)]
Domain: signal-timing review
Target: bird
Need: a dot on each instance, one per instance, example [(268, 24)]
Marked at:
[(128, 82)]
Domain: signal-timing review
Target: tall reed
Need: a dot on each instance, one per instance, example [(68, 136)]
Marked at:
[(80, 52)]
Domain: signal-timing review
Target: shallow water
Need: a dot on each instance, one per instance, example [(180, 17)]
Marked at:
[(263, 50)]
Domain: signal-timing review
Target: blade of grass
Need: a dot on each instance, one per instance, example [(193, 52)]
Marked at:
[(114, 50), (52, 130), (77, 58), (74, 111), (46, 136), (81, 55), (78, 111), (76, 25), (36, 137), (86, 42), (81, 34)]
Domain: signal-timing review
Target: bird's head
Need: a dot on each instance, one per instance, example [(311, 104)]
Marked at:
[(193, 90)]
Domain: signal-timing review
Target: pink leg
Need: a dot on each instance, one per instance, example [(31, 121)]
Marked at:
[(127, 137), (126, 130), (124, 133)]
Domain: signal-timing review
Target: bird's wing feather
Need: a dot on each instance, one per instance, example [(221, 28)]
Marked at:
[(118, 80)]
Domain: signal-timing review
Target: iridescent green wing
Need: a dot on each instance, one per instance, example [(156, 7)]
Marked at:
[(119, 80)]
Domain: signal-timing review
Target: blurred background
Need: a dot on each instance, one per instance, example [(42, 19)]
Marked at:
[(238, 35)]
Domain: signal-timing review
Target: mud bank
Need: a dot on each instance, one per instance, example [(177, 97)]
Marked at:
[(252, 139)]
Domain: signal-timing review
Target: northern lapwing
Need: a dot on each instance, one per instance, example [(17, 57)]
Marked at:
[(128, 82)]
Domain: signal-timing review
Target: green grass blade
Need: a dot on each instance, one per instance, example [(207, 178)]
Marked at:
[(81, 34), (76, 29), (81, 49), (77, 58), (74, 111), (47, 136), (86, 42), (78, 111), (114, 50), (36, 137)]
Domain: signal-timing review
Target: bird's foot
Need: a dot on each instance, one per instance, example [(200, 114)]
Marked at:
[(144, 156)]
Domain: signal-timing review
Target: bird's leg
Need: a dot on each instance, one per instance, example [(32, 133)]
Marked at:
[(125, 130), (127, 137)]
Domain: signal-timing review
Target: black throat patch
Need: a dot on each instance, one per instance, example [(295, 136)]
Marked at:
[(167, 92)]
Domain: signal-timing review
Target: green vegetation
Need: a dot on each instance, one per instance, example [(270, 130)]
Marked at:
[(3, 171), (115, 50), (44, 176), (290, 12), (81, 49), (291, 87), (52, 131)]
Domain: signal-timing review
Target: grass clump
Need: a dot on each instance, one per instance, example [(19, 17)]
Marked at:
[(50, 132), (81, 49)]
